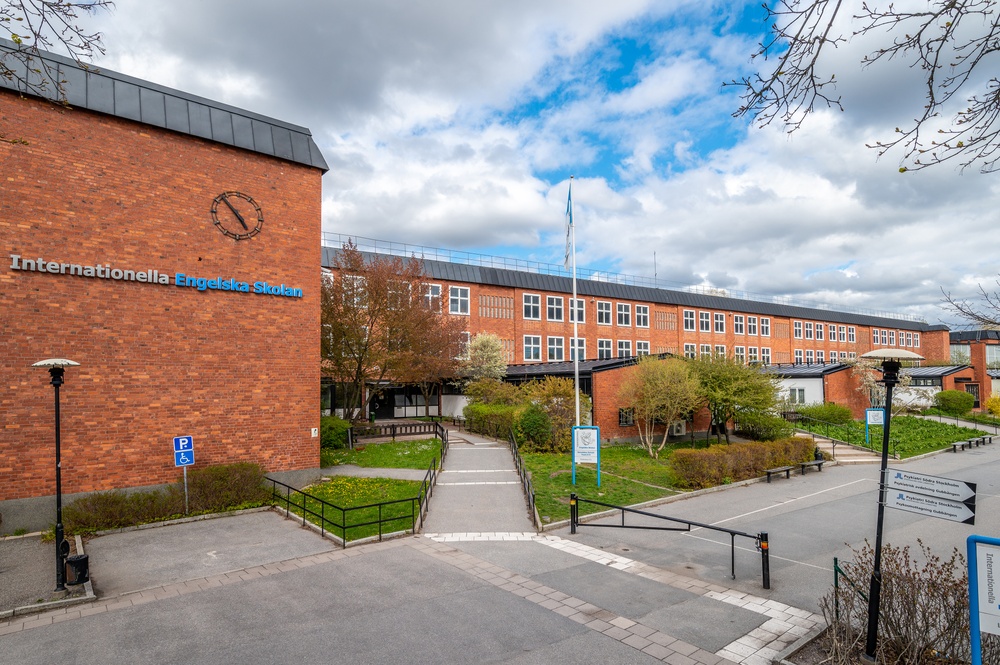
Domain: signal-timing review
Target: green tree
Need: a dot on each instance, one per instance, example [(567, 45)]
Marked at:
[(557, 397), (486, 358), (659, 391), (730, 388)]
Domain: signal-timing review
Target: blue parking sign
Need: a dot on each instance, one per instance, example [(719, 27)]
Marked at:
[(182, 443), (184, 458)]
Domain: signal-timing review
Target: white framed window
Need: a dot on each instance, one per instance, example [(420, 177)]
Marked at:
[(765, 326), (690, 351), (641, 348), (575, 344), (740, 354), (554, 308), (821, 356), (810, 358), (797, 328), (916, 340), (555, 349), (842, 334), (798, 356), (765, 355), (884, 334), (851, 334), (603, 349), (720, 350), (458, 300), (751, 325), (642, 316), (875, 336), (354, 290), (577, 313), (432, 297), (532, 348), (851, 355), (892, 338), (751, 354), (532, 306), (809, 330), (603, 313), (796, 395), (689, 319), (909, 339), (738, 324), (706, 350), (626, 417), (720, 322), (624, 314), (705, 321), (624, 348), (832, 333), (843, 355), (819, 332)]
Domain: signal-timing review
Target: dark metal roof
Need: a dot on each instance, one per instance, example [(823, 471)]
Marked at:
[(587, 367), (805, 370), (958, 336), (993, 373), (933, 371), (112, 93)]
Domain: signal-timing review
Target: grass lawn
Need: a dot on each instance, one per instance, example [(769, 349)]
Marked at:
[(348, 493), (645, 479), (912, 436), (389, 455)]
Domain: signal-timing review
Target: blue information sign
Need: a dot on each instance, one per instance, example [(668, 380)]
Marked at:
[(183, 451)]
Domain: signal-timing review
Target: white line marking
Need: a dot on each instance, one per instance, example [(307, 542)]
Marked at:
[(499, 482), (755, 551), (782, 503), (478, 471)]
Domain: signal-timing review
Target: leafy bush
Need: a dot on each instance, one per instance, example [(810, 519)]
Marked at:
[(924, 610), (333, 432), (763, 426), (993, 405), (712, 466), (536, 427), (493, 420), (954, 402), (492, 391), (210, 489), (830, 412)]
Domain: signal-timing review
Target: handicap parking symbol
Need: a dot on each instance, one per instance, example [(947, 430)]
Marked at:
[(184, 458)]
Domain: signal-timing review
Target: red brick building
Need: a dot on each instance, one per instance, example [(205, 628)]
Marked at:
[(168, 244), (981, 350)]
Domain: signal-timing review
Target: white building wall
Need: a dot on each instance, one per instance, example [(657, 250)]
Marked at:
[(813, 389)]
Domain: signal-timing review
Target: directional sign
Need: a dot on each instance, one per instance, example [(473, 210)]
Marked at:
[(182, 443), (184, 458), (935, 486), (929, 506)]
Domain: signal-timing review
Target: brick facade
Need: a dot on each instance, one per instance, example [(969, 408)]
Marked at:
[(239, 372)]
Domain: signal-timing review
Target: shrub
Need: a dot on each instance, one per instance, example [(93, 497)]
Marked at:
[(993, 405), (213, 488), (333, 432), (830, 412), (491, 391), (954, 402), (763, 426), (712, 466), (493, 420), (536, 427), (924, 610)]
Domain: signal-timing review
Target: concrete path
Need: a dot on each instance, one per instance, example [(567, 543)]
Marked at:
[(478, 489)]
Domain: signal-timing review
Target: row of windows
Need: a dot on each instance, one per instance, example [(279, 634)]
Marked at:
[(715, 322), (744, 354), (888, 338), (833, 333), (622, 314), (810, 356), (555, 346)]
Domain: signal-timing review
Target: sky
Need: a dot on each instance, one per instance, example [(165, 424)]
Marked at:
[(457, 124)]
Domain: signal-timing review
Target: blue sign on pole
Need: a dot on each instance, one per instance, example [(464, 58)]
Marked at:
[(984, 599), (183, 451)]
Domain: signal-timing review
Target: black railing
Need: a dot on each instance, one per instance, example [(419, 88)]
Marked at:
[(522, 471), (760, 539), (391, 430), (838, 572), (852, 433)]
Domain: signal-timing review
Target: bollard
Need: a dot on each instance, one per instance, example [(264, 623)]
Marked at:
[(572, 513), (765, 562)]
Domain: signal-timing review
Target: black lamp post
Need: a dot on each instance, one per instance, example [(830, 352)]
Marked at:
[(55, 367), (890, 378)]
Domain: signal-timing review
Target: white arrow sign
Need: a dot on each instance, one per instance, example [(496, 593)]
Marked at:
[(936, 486), (930, 506)]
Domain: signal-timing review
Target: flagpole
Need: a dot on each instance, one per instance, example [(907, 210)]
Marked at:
[(576, 322)]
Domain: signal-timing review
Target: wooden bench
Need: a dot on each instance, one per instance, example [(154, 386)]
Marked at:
[(787, 470), (818, 463)]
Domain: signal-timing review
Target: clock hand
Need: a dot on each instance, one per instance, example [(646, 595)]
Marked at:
[(225, 199)]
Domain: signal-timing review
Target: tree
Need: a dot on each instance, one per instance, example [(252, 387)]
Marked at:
[(434, 354), (486, 358), (952, 42), (985, 314), (41, 25), (557, 397), (868, 373), (731, 388), (378, 325), (659, 391)]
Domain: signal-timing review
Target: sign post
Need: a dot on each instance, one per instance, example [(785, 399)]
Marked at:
[(984, 591), (873, 417), (587, 449), (184, 457)]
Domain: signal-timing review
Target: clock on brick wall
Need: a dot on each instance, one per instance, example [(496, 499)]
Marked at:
[(237, 215)]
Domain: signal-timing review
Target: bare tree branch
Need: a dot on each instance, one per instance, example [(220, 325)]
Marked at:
[(981, 315)]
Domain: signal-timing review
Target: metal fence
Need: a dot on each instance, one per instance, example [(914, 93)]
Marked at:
[(357, 433), (522, 472)]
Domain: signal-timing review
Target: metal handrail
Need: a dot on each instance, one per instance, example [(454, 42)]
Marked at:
[(874, 446), (760, 539), (392, 430), (522, 472)]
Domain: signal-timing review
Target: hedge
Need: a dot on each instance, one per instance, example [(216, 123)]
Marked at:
[(722, 464)]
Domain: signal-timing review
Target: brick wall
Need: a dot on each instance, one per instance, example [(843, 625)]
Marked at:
[(237, 371)]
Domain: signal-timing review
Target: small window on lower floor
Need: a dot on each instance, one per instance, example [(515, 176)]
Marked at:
[(626, 417)]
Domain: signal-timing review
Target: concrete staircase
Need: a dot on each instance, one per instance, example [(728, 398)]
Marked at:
[(843, 453)]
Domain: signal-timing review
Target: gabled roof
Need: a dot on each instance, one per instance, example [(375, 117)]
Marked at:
[(805, 370), (105, 91)]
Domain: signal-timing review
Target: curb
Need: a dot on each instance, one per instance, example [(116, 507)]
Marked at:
[(182, 520), (37, 608), (783, 657)]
